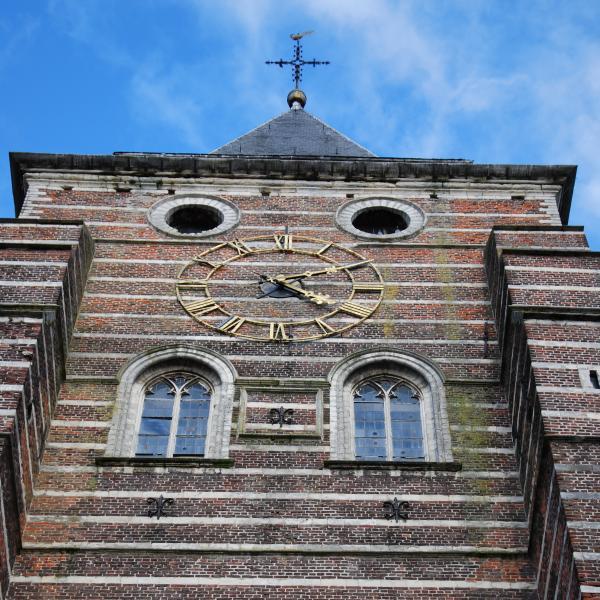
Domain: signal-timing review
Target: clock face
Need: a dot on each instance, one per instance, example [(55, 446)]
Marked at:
[(280, 288)]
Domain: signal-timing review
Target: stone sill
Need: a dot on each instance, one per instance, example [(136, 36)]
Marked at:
[(276, 436), (395, 465), (173, 461)]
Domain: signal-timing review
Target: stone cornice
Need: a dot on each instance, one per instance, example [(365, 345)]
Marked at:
[(389, 170)]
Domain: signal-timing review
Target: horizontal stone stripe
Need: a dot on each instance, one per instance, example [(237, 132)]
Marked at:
[(187, 318), (330, 213), (583, 524), (550, 287), (590, 589), (34, 263), (13, 283), (321, 496), (275, 471), (571, 468), (563, 344), (552, 389), (59, 243), (20, 320), (594, 416), (185, 261), (95, 403), (494, 429), (410, 284), (83, 424), (312, 548), (427, 342), (302, 522), (81, 445), (586, 555), (580, 495), (17, 364), (560, 365), (10, 387), (275, 582), (254, 300), (551, 269), (282, 359)]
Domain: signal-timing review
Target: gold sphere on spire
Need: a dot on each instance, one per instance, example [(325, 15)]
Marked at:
[(296, 95)]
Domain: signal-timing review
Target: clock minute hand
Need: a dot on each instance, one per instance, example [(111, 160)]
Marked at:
[(283, 278)]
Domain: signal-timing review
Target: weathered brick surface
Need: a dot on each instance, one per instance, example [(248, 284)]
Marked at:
[(546, 357), (470, 527)]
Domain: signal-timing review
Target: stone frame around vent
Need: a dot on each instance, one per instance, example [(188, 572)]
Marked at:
[(416, 370), (136, 374), (413, 215), (271, 431), (159, 213)]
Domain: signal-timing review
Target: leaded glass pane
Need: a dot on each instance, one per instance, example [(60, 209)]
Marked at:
[(405, 415), (369, 419), (152, 445), (383, 403)]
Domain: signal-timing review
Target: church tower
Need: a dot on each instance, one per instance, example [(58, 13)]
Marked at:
[(290, 369)]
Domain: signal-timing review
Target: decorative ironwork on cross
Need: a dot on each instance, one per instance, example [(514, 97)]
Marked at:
[(297, 61)]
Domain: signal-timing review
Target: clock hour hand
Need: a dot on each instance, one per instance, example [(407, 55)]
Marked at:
[(283, 278), (312, 296)]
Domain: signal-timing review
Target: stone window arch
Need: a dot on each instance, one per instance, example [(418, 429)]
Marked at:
[(178, 367), (416, 376)]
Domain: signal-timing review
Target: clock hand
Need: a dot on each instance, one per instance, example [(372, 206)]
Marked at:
[(312, 296), (282, 278)]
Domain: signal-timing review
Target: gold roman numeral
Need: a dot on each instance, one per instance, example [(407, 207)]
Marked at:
[(325, 328), (367, 287), (277, 332), (232, 324), (283, 242), (355, 309), (240, 247), (189, 284), (201, 307)]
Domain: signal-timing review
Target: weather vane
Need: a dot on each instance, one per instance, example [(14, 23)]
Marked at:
[(297, 62)]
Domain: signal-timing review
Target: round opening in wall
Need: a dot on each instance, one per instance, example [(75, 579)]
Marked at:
[(195, 219), (193, 216), (380, 221)]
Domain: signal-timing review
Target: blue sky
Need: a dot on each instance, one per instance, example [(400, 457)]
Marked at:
[(497, 82)]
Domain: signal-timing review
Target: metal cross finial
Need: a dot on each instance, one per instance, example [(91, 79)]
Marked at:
[(297, 61)]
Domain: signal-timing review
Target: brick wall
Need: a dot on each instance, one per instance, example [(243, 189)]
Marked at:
[(280, 522), (546, 302), (43, 271)]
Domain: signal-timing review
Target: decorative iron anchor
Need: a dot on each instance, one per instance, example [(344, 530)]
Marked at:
[(281, 415), (158, 506), (396, 509)]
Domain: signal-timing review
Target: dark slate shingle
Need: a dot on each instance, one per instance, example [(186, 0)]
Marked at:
[(295, 133)]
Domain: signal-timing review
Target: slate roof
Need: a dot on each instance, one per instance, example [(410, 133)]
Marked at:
[(294, 133)]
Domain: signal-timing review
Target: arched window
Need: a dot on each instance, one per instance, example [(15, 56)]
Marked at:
[(173, 401), (174, 420), (387, 420), (388, 405)]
